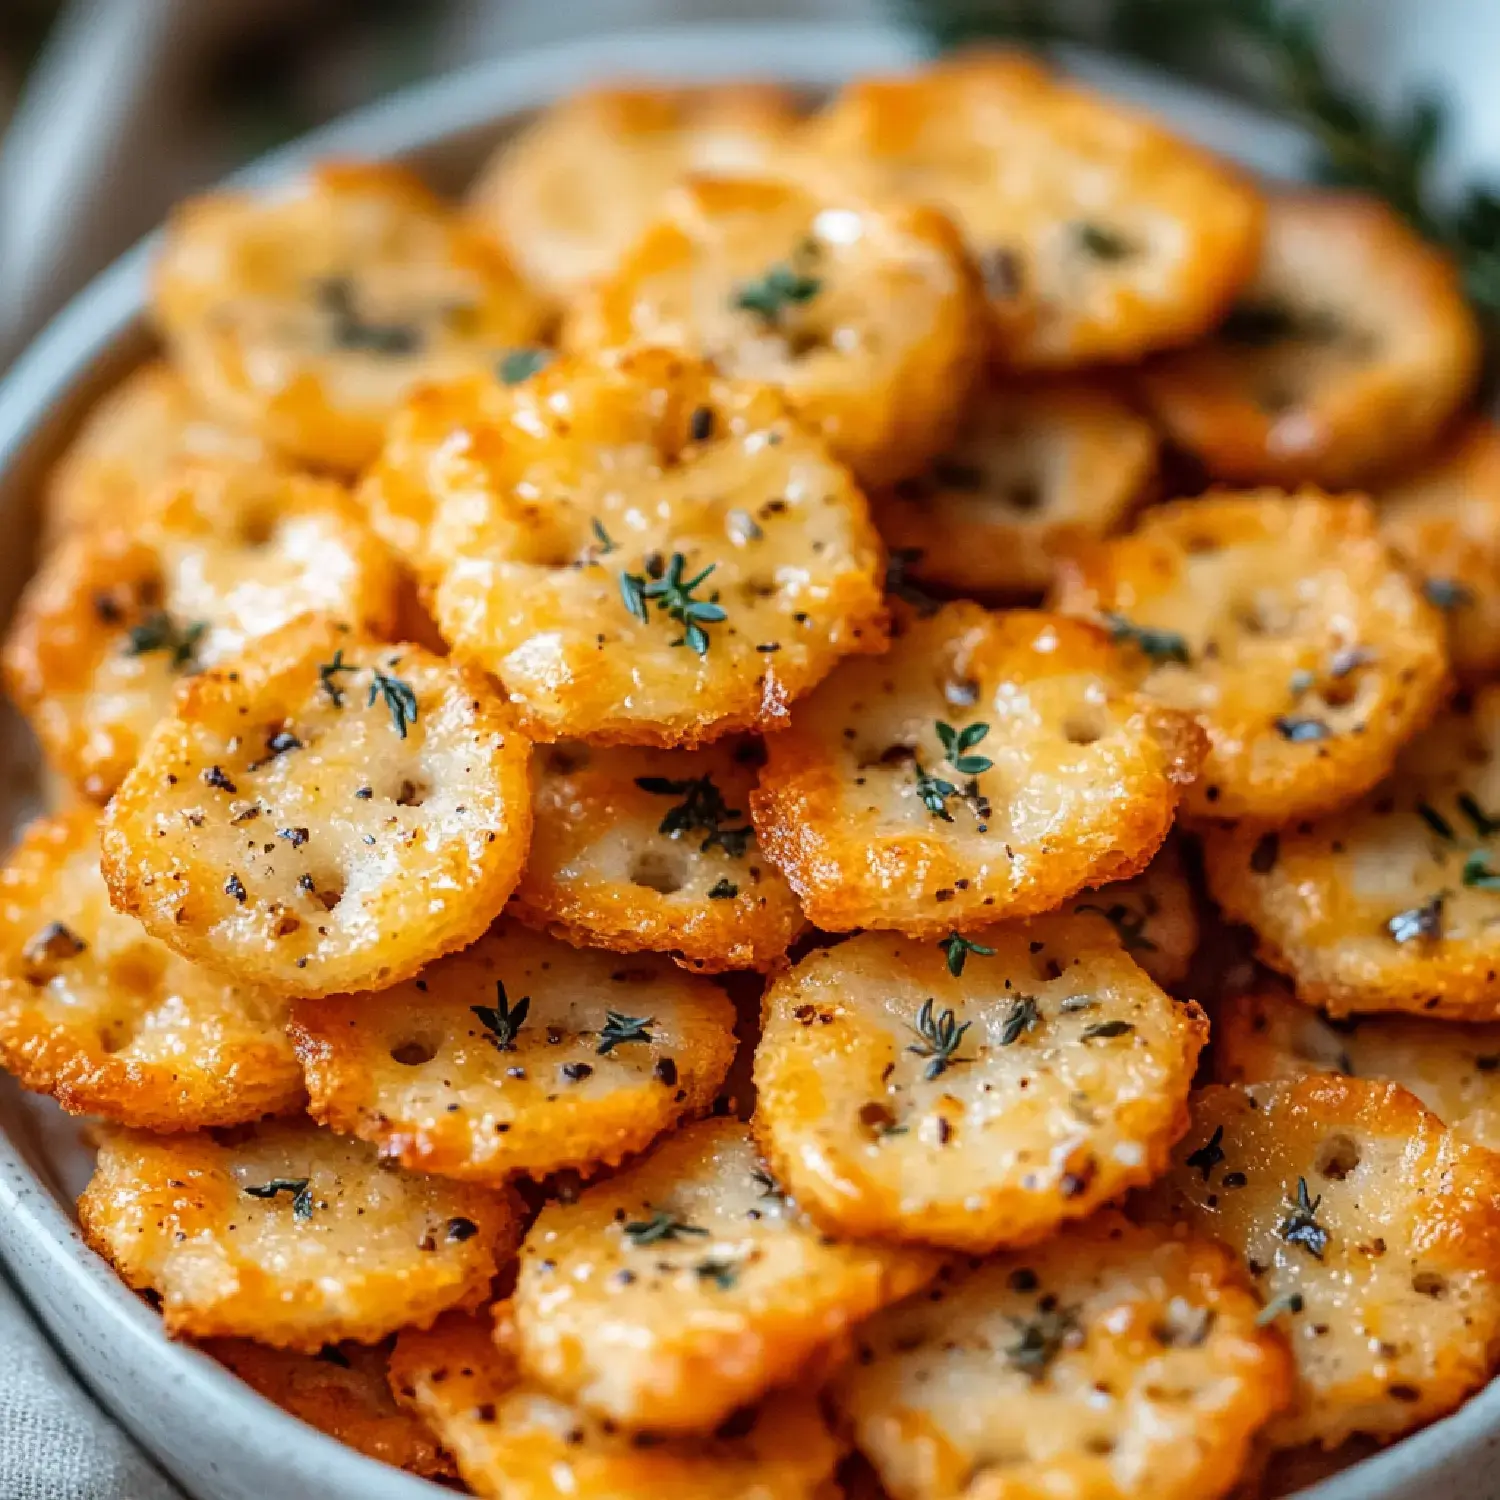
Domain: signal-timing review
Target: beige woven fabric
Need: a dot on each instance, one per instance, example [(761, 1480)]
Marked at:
[(55, 1443)]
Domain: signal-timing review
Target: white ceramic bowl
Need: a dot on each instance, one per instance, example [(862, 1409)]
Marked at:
[(216, 1437)]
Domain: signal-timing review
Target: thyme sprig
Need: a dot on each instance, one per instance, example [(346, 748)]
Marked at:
[(1300, 1226), (502, 1020), (619, 1029), (939, 1038), (702, 810), (673, 596)]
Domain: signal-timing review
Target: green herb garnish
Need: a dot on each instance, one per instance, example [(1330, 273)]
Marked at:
[(1209, 1154), (702, 810), (957, 742), (501, 1020), (399, 698), (299, 1187), (940, 1037), (781, 287), (328, 673), (1447, 593), (1101, 242), (723, 1273), (620, 1029), (1477, 872), (1130, 925), (1022, 1017), (958, 948), (1300, 1226), (1106, 1030), (160, 632), (522, 364), (1159, 645), (673, 595), (1041, 1339), (659, 1227)]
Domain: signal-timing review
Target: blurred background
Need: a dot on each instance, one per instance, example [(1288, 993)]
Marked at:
[(112, 109)]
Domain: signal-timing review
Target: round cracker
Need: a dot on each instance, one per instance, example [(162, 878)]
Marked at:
[(216, 556), (289, 1235), (518, 1055), (577, 188), (515, 1441), (899, 1100), (1100, 235), (1036, 469), (1454, 1070), (323, 813), (1390, 904), (308, 315), (1372, 1233), (1058, 776), (688, 1285), (653, 850), (1114, 1361), (1284, 624), (111, 1022), (1442, 520), (341, 1390), (641, 551), (869, 316), (130, 440), (1345, 355)]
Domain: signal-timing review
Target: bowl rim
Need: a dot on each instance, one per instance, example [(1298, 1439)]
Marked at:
[(38, 1239)]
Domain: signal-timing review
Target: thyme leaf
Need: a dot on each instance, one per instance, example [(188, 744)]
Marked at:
[(1300, 1226), (702, 810), (1159, 645), (619, 1029), (958, 742), (299, 1187), (1022, 1017), (522, 364), (958, 948), (661, 1226), (1041, 1339), (328, 674), (1209, 1154), (673, 595), (502, 1020), (400, 699), (939, 1038), (160, 632)]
